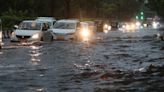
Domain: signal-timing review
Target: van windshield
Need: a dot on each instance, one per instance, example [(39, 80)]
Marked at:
[(64, 25), (30, 26)]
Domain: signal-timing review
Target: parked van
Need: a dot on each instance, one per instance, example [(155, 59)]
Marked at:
[(50, 20)]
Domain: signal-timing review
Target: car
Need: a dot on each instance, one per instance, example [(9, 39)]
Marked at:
[(65, 29), (86, 31), (160, 31), (99, 25), (102, 26), (50, 20), (128, 27), (114, 25), (31, 31), (0, 34), (91, 25)]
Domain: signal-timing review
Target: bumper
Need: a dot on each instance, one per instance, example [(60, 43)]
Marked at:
[(15, 39), (64, 37)]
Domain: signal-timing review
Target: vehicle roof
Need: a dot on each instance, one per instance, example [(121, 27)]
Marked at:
[(83, 23), (68, 20), (90, 22), (46, 18), (32, 21)]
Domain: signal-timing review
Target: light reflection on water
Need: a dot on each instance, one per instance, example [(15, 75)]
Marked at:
[(1, 53), (37, 89), (35, 54)]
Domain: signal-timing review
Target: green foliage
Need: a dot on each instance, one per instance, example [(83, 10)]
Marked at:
[(157, 5), (111, 9), (11, 17)]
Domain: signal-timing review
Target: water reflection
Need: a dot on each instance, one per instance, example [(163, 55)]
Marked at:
[(37, 89), (40, 89), (35, 54), (1, 53)]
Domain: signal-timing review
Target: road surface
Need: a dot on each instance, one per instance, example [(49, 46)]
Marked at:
[(118, 62)]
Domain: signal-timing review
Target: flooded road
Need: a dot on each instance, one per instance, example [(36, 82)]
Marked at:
[(120, 62)]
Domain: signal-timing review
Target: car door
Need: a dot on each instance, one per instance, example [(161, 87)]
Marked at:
[(47, 35)]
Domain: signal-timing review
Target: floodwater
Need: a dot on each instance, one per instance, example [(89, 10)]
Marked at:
[(118, 62)]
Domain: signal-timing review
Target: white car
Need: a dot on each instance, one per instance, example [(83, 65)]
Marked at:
[(0, 34), (50, 20), (31, 31), (65, 29)]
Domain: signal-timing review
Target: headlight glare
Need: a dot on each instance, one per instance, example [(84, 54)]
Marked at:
[(85, 33), (35, 36)]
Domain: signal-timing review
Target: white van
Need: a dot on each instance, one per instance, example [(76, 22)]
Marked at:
[(65, 29), (31, 31), (0, 34), (50, 20)]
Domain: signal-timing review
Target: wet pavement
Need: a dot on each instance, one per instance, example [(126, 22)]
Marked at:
[(119, 62)]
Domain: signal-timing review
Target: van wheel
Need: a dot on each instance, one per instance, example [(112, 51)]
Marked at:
[(41, 39), (52, 38), (162, 38)]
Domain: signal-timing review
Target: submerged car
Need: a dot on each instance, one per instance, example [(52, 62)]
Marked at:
[(86, 31), (99, 25), (65, 29), (102, 26), (128, 27), (0, 34), (31, 31), (50, 20)]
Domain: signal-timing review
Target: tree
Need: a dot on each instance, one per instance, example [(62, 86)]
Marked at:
[(122, 9), (157, 5)]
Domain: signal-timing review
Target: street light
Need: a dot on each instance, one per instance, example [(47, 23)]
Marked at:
[(142, 18), (137, 17), (142, 13)]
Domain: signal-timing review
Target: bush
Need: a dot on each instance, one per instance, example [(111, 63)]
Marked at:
[(11, 18)]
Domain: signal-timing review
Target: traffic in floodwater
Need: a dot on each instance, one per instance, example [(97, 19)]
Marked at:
[(81, 46), (118, 62)]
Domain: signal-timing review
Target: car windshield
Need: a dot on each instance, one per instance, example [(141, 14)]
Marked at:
[(64, 25), (30, 26)]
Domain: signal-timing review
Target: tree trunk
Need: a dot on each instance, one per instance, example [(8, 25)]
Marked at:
[(67, 2)]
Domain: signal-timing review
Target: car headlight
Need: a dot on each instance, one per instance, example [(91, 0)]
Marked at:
[(138, 24), (127, 27), (155, 25), (85, 33), (109, 27), (133, 26), (13, 34), (35, 36), (105, 26), (106, 31)]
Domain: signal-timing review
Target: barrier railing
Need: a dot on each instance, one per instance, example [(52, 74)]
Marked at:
[(6, 33)]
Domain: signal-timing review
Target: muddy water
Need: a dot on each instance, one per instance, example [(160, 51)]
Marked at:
[(121, 62)]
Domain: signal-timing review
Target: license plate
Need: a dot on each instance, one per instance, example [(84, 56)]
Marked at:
[(23, 40), (60, 37)]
